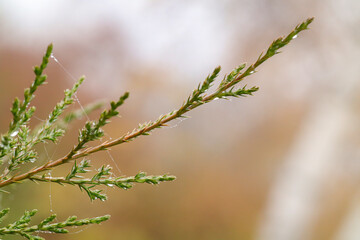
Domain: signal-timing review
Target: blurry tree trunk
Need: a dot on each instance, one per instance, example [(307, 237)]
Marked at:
[(294, 199), (350, 229)]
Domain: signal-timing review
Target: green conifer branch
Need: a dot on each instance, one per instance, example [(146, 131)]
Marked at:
[(17, 145), (22, 226), (198, 96), (20, 110), (101, 178), (92, 130), (46, 132), (22, 150)]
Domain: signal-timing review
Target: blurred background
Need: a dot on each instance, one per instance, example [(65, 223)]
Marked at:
[(283, 164)]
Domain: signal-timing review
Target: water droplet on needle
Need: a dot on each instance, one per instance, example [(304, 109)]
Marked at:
[(13, 134)]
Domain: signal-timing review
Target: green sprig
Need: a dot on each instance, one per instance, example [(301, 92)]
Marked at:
[(241, 92), (92, 130), (46, 132), (22, 226), (23, 143), (75, 170), (101, 177), (20, 109)]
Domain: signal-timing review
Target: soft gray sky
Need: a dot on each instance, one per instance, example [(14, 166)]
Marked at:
[(154, 31)]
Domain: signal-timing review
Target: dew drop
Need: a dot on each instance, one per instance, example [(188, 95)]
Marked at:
[(53, 57), (13, 134), (295, 36), (252, 72)]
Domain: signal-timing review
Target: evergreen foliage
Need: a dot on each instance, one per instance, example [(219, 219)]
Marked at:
[(17, 145)]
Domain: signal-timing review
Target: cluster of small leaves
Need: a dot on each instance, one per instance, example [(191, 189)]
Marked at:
[(78, 169), (283, 41), (22, 150), (230, 77), (22, 226), (47, 132), (146, 128), (241, 92), (92, 130), (196, 95), (20, 109), (20, 139), (102, 177)]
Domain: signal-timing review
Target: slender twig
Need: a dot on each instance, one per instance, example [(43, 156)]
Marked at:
[(106, 181)]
